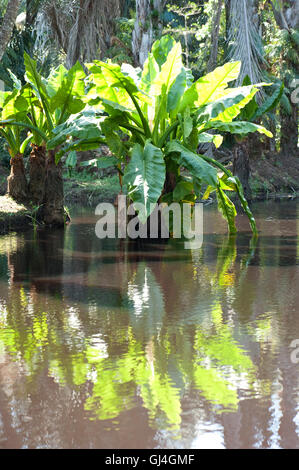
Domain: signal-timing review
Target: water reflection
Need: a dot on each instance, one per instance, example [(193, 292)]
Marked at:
[(104, 345)]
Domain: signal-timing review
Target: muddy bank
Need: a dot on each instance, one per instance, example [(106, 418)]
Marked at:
[(271, 178), (13, 216)]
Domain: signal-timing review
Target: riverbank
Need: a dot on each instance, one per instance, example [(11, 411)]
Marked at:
[(269, 180), (13, 216)]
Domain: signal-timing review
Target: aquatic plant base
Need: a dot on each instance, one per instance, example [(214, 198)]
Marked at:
[(37, 174), (17, 187), (53, 206)]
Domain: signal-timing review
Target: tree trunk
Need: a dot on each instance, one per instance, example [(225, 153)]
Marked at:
[(241, 166), (215, 37), (17, 186), (287, 17), (53, 206), (142, 37), (93, 29), (8, 23), (37, 174), (31, 11), (289, 131), (170, 182)]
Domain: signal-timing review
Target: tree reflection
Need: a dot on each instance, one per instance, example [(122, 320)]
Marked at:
[(176, 326)]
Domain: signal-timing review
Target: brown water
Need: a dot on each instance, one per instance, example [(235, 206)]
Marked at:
[(103, 345)]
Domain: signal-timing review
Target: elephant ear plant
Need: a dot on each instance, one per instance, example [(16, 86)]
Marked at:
[(13, 105), (153, 121), (39, 107)]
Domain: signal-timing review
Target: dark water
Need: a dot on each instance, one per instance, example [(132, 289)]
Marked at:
[(103, 345)]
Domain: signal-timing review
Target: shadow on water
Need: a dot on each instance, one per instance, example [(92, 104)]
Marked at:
[(103, 345)]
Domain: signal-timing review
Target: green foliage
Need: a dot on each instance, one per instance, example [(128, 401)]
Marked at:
[(165, 114), (40, 105), (156, 116)]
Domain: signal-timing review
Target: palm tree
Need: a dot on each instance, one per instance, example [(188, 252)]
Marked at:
[(245, 42), (8, 24), (143, 34), (82, 29), (286, 15)]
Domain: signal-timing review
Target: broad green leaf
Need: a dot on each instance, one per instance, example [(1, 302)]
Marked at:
[(227, 209), (161, 49), (270, 103), (17, 83), (71, 160), (176, 92), (228, 107), (182, 189), (238, 127), (115, 109), (78, 146), (210, 87), (66, 88), (86, 126), (217, 139), (113, 139), (3, 97), (188, 123), (55, 80), (150, 71), (13, 105), (103, 89), (145, 176), (114, 85), (34, 78), (169, 71), (194, 163), (37, 83)]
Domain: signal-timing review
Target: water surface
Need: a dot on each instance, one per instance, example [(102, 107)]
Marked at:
[(107, 345)]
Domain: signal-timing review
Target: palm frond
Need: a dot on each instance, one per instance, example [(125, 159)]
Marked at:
[(245, 43)]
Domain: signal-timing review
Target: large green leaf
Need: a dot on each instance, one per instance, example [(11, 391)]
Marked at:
[(66, 88), (194, 163), (176, 92), (211, 86), (238, 127), (227, 209), (37, 83), (104, 87), (150, 71), (144, 177), (270, 103), (228, 107), (13, 105), (161, 49), (114, 85), (216, 139), (169, 71), (85, 126)]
